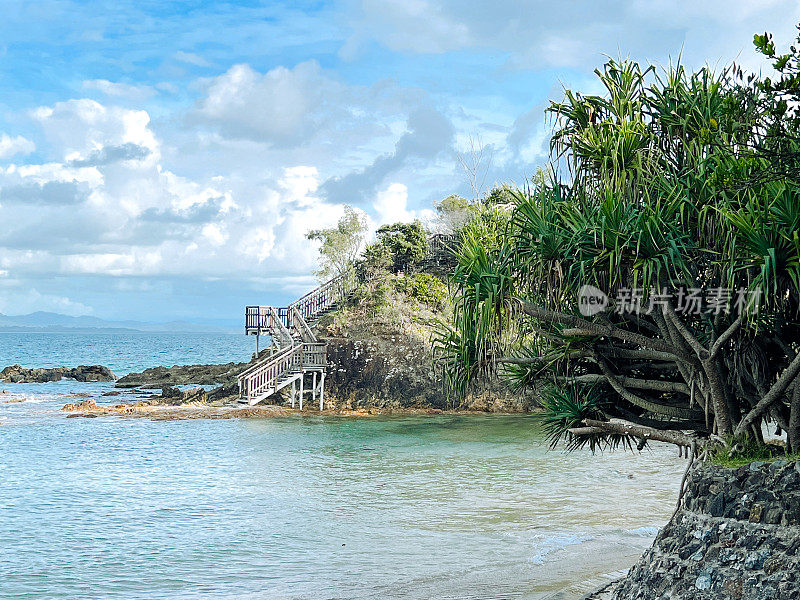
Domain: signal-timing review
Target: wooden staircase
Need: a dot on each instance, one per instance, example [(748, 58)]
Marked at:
[(294, 351)]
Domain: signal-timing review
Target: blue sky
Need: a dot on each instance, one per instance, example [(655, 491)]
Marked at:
[(163, 160)]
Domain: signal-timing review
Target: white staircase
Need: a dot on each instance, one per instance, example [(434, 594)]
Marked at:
[(295, 350)]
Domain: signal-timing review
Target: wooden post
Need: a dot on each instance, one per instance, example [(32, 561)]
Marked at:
[(314, 387), (257, 336), (322, 392), (293, 394), (301, 390)]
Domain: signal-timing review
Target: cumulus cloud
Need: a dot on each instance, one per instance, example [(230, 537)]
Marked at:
[(282, 106), (391, 206), (10, 146), (79, 128), (50, 192), (111, 154), (291, 108), (111, 206)]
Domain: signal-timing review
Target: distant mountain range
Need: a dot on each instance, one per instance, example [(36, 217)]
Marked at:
[(54, 322)]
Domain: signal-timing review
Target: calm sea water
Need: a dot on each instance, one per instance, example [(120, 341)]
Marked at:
[(122, 352), (302, 507)]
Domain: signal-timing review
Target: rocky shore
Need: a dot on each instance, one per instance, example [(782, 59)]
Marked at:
[(20, 374), (156, 377), (379, 355), (736, 536)]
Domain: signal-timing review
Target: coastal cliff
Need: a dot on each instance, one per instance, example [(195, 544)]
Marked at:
[(736, 536)]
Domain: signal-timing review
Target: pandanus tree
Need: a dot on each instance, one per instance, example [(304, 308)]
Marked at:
[(662, 199)]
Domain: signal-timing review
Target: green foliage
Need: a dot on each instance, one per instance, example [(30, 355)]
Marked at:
[(500, 195), (669, 185), (454, 212), (786, 87), (745, 451), (487, 226), (481, 309), (565, 408), (425, 288), (406, 243), (377, 259), (340, 245)]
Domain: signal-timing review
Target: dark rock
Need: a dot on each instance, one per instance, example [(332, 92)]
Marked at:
[(20, 374), (91, 373), (716, 506), (174, 396), (158, 377), (708, 550)]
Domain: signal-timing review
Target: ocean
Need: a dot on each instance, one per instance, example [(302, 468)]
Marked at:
[(303, 507)]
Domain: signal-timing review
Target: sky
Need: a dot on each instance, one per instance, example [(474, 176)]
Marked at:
[(164, 160)]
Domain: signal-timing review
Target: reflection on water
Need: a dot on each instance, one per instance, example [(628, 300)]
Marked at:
[(422, 507)]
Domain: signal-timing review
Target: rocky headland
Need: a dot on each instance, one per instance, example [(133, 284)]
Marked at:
[(380, 362), (380, 355)]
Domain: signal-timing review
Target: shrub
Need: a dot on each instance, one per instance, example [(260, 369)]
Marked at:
[(424, 288)]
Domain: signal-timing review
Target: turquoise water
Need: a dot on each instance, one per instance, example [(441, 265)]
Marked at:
[(310, 507)]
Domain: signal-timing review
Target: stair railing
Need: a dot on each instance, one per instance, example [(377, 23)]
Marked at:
[(284, 337), (300, 325), (315, 355), (265, 375)]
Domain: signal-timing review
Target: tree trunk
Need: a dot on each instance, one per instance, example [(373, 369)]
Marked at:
[(793, 433)]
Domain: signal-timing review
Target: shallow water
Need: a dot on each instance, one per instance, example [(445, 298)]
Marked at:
[(311, 507)]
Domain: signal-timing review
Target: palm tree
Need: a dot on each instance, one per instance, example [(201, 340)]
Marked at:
[(663, 202)]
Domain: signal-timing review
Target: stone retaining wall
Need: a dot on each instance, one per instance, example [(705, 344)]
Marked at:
[(736, 536)]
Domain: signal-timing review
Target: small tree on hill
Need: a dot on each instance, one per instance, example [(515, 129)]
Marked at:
[(340, 245), (407, 243)]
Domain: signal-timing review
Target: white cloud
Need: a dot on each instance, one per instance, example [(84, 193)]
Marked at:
[(9, 146), (279, 106), (391, 205), (120, 90), (80, 127), (191, 58), (416, 25)]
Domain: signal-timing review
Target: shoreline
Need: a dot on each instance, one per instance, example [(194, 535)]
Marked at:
[(159, 411)]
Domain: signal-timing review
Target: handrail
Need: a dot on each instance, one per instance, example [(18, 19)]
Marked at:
[(315, 354), (265, 375), (280, 327), (299, 323)]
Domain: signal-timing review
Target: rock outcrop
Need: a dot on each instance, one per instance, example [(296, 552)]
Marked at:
[(380, 357), (20, 374), (736, 536), (174, 396), (158, 377)]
